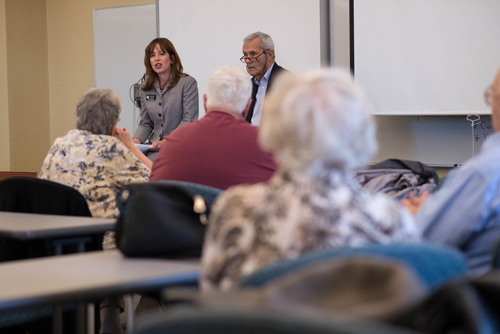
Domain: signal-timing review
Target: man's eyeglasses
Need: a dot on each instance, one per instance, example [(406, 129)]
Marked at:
[(253, 58), (489, 93)]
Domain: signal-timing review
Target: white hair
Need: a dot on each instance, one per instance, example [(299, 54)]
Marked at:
[(98, 110), (266, 42), (317, 121), (229, 88)]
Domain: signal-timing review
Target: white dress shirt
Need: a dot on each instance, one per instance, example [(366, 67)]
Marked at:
[(261, 94)]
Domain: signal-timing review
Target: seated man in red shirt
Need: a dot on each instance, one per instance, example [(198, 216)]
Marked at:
[(220, 150)]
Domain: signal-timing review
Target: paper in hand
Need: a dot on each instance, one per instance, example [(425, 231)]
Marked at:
[(144, 148)]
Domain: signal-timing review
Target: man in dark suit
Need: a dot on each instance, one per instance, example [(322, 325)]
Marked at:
[(258, 55)]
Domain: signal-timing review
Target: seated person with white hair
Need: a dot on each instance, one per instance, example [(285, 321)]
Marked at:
[(220, 150), (319, 128)]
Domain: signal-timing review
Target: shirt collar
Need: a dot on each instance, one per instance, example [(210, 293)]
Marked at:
[(214, 113), (265, 78)]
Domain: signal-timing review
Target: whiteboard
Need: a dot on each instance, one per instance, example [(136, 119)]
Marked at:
[(209, 34), (120, 36), (426, 57), (436, 140)]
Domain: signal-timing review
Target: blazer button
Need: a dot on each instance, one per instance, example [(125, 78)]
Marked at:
[(160, 103), (159, 115), (162, 125)]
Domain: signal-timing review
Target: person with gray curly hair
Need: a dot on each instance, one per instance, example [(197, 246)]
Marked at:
[(319, 127), (259, 58), (98, 158)]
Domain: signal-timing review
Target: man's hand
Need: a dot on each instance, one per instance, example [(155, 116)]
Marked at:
[(137, 141), (415, 203)]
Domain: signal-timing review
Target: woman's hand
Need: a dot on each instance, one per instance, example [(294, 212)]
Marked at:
[(157, 145), (124, 136)]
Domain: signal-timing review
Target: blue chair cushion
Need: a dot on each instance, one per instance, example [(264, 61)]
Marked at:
[(434, 264)]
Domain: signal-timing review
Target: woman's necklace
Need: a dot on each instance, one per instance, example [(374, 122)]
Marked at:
[(164, 85)]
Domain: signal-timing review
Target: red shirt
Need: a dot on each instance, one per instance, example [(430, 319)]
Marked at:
[(218, 150)]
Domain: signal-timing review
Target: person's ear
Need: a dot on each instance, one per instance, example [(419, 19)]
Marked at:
[(205, 102), (113, 130), (172, 59), (247, 108), (270, 53)]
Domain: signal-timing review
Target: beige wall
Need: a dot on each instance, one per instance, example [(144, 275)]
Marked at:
[(4, 101), (27, 80), (46, 64)]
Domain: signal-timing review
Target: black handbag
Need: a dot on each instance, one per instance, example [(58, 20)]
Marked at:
[(160, 221)]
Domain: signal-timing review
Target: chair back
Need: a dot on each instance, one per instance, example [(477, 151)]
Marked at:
[(30, 195), (434, 264)]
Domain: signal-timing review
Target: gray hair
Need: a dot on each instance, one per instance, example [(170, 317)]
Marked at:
[(266, 42), (229, 88), (97, 111), (316, 122)]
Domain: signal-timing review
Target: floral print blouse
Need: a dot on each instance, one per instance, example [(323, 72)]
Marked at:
[(253, 226), (98, 166)]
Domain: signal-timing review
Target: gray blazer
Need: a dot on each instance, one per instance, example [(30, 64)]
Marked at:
[(163, 113)]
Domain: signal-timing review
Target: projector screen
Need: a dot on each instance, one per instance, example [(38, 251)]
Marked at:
[(426, 57), (209, 33)]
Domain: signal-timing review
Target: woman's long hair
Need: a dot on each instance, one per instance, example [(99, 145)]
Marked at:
[(176, 68)]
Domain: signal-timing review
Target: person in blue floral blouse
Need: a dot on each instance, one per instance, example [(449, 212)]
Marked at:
[(98, 158)]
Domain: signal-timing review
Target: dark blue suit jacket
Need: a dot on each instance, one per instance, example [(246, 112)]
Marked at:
[(276, 69)]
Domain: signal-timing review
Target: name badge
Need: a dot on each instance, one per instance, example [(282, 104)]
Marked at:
[(151, 97)]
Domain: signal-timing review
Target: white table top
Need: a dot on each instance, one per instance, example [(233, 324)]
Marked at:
[(86, 276), (30, 226)]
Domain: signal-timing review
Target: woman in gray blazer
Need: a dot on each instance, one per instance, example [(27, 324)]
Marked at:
[(169, 96)]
